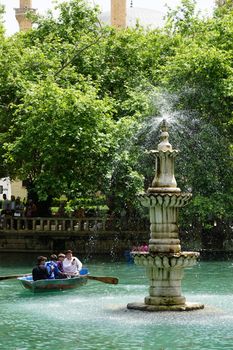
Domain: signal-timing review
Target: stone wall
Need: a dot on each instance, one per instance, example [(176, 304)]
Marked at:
[(86, 243)]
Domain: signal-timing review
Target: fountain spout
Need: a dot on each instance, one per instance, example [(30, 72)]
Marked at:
[(164, 145)]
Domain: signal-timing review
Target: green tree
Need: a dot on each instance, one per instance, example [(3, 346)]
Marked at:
[(200, 75), (62, 139), (57, 129), (77, 104)]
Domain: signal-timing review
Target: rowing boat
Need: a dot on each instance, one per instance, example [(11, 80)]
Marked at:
[(52, 285), (48, 285)]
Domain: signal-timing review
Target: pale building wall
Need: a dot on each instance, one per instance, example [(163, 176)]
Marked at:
[(5, 187), (18, 190), (14, 188), (135, 15), (118, 13)]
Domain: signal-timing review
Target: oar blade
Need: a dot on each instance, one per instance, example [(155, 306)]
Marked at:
[(105, 279), (8, 277)]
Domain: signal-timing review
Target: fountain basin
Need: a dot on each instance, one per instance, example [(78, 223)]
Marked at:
[(166, 261), (156, 197), (153, 308)]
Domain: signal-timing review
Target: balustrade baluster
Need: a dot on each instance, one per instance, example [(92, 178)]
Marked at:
[(86, 225), (33, 221), (56, 225), (49, 224), (79, 224)]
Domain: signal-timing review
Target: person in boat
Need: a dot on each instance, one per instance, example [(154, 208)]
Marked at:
[(40, 272), (71, 265), (61, 258), (143, 247), (52, 268)]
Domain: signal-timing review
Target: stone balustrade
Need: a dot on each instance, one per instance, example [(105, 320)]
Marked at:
[(89, 224), (89, 236), (52, 224)]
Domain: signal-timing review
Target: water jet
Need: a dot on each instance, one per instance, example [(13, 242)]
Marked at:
[(165, 262)]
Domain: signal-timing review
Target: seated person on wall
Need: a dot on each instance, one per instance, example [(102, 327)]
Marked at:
[(52, 268), (61, 213), (19, 207), (6, 215), (40, 272), (12, 202), (79, 212), (31, 209), (30, 212), (8, 212), (5, 204), (71, 265)]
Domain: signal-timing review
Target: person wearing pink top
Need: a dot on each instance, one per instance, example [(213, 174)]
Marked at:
[(143, 248)]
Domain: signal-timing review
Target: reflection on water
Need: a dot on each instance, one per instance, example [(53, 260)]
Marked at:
[(95, 316)]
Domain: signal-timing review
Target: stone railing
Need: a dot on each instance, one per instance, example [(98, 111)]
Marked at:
[(88, 236), (67, 224)]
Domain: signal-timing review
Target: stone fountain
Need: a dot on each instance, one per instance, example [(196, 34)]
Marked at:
[(165, 262)]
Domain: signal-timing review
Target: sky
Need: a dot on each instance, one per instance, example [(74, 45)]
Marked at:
[(42, 6)]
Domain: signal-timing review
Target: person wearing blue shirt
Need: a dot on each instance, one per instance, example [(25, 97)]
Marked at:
[(52, 268)]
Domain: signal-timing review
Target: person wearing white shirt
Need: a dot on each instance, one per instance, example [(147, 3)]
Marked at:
[(71, 265)]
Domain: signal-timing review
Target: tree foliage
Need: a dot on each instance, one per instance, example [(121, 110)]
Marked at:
[(200, 74), (77, 100)]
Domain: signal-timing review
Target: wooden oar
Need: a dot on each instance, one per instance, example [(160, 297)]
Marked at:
[(8, 277), (110, 280)]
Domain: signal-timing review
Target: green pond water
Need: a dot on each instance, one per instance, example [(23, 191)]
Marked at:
[(95, 316)]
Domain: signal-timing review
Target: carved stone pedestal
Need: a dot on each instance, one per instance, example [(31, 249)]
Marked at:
[(165, 273)]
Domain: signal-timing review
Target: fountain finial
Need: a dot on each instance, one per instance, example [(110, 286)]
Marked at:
[(164, 145), (164, 126)]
